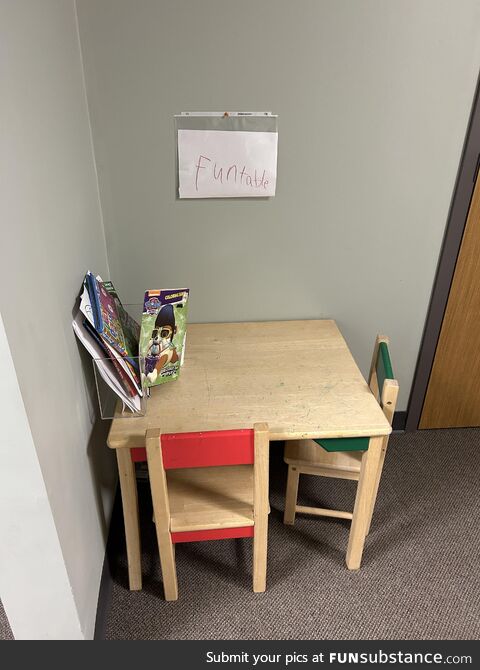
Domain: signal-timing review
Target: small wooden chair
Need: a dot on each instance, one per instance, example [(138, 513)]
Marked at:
[(342, 457), (209, 486)]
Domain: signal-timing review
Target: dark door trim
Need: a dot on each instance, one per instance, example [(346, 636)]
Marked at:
[(460, 204)]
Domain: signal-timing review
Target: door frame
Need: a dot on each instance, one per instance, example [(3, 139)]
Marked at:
[(457, 218)]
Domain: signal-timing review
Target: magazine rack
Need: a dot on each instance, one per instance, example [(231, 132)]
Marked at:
[(117, 399)]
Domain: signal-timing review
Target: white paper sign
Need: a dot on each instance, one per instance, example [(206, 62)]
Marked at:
[(226, 164)]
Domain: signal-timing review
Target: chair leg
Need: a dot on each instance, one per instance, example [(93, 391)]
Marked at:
[(363, 502), (158, 488), (167, 561), (291, 495), (377, 484), (260, 554)]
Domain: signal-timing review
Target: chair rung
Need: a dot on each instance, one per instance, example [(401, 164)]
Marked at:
[(320, 511), (319, 471), (212, 534)]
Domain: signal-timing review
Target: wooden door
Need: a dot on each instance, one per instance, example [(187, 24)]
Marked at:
[(453, 393)]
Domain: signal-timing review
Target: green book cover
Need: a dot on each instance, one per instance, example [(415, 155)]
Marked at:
[(162, 334)]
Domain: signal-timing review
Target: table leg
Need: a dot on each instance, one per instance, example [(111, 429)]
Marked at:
[(363, 502), (128, 488)]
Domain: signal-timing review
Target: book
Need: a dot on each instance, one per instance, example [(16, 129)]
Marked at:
[(111, 336), (131, 329), (85, 306), (105, 366), (118, 331), (124, 374), (162, 334), (105, 314)]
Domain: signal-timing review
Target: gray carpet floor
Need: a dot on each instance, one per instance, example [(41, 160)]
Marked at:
[(5, 630), (420, 576)]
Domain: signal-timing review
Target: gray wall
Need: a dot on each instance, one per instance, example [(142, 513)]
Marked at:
[(35, 587), (51, 232), (373, 101)]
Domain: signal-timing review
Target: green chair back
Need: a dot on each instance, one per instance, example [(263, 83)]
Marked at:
[(384, 370), (383, 366)]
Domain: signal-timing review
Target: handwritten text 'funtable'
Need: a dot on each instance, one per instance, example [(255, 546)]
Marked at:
[(207, 169)]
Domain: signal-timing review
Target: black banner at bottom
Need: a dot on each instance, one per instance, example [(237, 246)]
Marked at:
[(265, 655)]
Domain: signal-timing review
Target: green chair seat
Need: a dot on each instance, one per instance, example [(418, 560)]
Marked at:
[(344, 444)]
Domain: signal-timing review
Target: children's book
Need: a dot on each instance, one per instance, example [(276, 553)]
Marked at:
[(118, 341), (105, 314), (86, 304), (129, 377), (162, 334), (131, 329), (105, 366)]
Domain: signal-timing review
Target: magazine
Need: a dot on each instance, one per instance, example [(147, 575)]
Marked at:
[(105, 314), (118, 343), (90, 306), (131, 329), (110, 335), (162, 334), (126, 374), (105, 366)]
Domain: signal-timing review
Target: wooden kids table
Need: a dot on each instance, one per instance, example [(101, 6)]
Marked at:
[(297, 376)]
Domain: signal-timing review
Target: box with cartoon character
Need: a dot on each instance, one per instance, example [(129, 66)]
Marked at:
[(162, 335)]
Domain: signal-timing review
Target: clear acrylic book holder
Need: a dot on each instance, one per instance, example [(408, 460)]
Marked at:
[(120, 387)]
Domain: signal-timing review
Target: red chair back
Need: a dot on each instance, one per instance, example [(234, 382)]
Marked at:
[(201, 450)]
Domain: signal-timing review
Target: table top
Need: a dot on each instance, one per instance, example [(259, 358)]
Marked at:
[(297, 376)]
